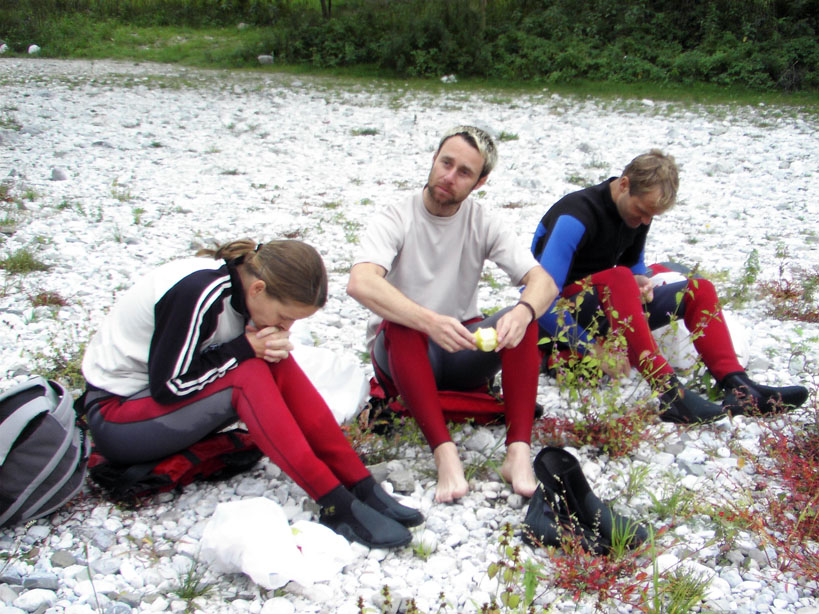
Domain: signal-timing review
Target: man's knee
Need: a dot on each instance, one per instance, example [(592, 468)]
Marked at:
[(412, 345), (701, 289), (617, 278)]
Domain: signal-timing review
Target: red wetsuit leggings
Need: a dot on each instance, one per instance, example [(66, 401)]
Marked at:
[(618, 293), (284, 414), (418, 368)]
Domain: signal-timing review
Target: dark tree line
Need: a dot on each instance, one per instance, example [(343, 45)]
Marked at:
[(760, 44)]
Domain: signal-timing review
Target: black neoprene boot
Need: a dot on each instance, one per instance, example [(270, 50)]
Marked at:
[(369, 492), (542, 527), (575, 505), (744, 396), (356, 521), (680, 405)]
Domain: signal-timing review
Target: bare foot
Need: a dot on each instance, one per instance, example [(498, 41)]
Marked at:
[(517, 469), (451, 480)]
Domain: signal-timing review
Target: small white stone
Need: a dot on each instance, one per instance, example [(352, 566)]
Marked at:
[(278, 605), (35, 599)]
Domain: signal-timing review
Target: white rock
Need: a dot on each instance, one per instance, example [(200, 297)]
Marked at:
[(132, 574), (717, 588), (35, 599), (139, 530), (481, 441), (278, 605), (426, 540)]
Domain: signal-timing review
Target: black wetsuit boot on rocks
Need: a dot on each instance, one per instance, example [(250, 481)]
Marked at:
[(369, 492), (357, 521), (744, 396), (680, 405)]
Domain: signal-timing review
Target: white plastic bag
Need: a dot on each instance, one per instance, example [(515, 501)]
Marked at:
[(253, 536), (339, 378), (676, 345)]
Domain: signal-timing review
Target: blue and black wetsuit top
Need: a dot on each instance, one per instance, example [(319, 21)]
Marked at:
[(582, 234)]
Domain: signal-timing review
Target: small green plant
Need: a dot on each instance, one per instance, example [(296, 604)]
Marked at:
[(351, 227), (517, 580), (794, 295), (378, 434), (192, 585), (422, 550), (637, 476), (48, 298), (8, 122), (579, 180), (507, 136), (677, 593), (740, 292), (483, 462), (488, 278), (137, 212), (364, 131), (121, 194), (622, 537), (677, 503), (22, 262), (62, 361)]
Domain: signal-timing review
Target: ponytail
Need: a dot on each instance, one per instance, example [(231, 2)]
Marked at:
[(293, 271)]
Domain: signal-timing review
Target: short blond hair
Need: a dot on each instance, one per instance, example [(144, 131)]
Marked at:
[(480, 140), (652, 170)]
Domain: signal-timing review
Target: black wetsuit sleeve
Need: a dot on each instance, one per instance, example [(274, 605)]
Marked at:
[(185, 316)]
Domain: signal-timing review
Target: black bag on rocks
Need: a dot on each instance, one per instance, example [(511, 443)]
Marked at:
[(43, 450), (216, 457)]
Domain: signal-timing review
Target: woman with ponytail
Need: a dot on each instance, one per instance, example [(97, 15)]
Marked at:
[(200, 343)]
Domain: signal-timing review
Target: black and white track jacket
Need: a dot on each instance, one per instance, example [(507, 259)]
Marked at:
[(176, 330)]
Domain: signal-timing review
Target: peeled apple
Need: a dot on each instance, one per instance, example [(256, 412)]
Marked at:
[(487, 339)]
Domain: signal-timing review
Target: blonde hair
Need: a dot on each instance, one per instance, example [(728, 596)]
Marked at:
[(652, 170), (480, 140), (293, 271)]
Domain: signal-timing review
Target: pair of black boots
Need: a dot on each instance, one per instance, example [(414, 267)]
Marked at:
[(742, 397), (366, 514), (565, 507)]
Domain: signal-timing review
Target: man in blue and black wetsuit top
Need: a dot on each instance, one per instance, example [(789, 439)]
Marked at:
[(592, 242)]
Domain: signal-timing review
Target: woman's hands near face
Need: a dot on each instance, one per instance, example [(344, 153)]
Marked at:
[(270, 343)]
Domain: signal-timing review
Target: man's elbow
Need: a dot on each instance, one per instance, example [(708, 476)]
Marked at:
[(363, 277), (355, 283), (358, 283)]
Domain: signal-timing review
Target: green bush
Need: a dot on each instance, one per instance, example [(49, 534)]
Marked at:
[(758, 44)]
